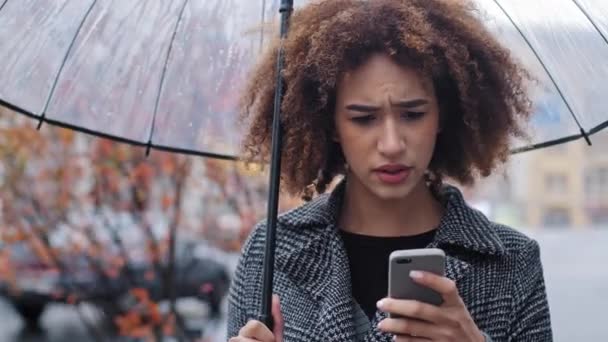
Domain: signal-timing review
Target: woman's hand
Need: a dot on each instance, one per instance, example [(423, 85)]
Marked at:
[(256, 331), (425, 322)]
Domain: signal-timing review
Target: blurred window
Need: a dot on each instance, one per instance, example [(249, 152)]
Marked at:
[(556, 217), (596, 182), (598, 215), (556, 183)]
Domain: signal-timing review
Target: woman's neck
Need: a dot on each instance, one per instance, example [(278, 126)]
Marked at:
[(364, 213)]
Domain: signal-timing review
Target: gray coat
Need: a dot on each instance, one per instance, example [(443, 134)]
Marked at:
[(497, 270)]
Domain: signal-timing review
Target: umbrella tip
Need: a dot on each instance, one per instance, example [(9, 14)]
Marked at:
[(148, 148), (40, 121), (586, 136)]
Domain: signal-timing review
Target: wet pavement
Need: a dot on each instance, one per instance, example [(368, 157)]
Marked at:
[(576, 271), (59, 323)]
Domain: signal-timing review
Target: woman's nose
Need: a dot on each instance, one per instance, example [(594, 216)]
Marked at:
[(390, 141)]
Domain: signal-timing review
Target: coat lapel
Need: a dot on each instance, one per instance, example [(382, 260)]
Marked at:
[(320, 269), (336, 321), (455, 268)]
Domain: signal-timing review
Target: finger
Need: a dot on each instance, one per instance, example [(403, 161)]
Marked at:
[(444, 286), (409, 327), (256, 330), (242, 339), (410, 339), (279, 323), (412, 309)]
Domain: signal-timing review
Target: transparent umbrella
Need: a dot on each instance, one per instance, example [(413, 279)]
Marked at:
[(167, 74)]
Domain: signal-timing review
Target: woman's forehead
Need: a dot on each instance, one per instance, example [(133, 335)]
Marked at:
[(381, 76)]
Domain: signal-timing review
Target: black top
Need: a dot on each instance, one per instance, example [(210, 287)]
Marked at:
[(368, 261)]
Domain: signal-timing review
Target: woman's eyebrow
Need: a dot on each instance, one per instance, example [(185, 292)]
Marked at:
[(362, 108), (410, 103), (401, 104)]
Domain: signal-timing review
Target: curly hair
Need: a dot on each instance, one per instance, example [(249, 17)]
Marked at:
[(480, 88)]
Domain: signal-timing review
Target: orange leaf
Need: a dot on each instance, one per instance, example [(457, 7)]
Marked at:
[(168, 201), (150, 275)]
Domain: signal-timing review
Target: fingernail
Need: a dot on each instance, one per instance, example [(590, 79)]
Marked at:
[(381, 304), (416, 274)]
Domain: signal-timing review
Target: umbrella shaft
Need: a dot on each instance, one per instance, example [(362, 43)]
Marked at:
[(275, 172)]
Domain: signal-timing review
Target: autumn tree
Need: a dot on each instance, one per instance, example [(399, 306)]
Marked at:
[(72, 197)]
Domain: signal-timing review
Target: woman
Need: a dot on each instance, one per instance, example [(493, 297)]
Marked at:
[(394, 95)]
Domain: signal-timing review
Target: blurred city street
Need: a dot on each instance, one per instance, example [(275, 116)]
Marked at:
[(577, 283)]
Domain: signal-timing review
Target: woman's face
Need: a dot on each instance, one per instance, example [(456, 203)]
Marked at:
[(387, 120)]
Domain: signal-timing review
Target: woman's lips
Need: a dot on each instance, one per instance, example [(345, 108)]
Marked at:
[(393, 174)]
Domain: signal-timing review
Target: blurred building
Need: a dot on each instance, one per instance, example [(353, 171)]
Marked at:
[(560, 186), (568, 185)]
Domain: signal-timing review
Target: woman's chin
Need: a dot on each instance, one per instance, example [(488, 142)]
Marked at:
[(388, 192)]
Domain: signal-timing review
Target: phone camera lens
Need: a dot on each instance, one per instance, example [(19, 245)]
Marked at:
[(404, 261)]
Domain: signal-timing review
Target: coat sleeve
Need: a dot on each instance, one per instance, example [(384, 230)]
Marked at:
[(239, 307), (531, 320)]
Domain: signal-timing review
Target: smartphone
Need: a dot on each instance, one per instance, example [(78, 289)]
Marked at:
[(402, 286)]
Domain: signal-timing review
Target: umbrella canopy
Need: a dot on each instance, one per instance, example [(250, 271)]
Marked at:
[(166, 74)]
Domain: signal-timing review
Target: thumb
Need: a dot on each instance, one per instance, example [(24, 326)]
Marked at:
[(277, 316)]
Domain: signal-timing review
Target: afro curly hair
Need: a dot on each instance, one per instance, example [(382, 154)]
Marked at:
[(481, 89)]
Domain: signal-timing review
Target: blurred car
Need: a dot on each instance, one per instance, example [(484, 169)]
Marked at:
[(37, 284), (34, 283)]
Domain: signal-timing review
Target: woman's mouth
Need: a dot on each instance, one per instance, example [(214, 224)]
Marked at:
[(393, 173)]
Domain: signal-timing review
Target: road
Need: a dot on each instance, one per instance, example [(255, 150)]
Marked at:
[(576, 272)]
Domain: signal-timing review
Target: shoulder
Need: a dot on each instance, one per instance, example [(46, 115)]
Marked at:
[(295, 228), (469, 228), (521, 256), (514, 241)]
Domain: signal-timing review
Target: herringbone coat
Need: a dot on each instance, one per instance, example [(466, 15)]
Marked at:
[(497, 270)]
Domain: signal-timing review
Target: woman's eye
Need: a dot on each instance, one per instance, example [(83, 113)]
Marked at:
[(363, 119), (413, 115)]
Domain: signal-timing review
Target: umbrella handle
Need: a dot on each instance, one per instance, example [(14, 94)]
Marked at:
[(265, 315)]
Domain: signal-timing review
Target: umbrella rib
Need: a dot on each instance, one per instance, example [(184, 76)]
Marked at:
[(163, 75), (559, 141), (599, 127), (263, 20), (119, 139), (546, 144), (595, 25), (559, 91), (63, 63), (2, 6)]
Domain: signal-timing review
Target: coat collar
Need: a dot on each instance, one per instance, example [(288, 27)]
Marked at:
[(461, 226)]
